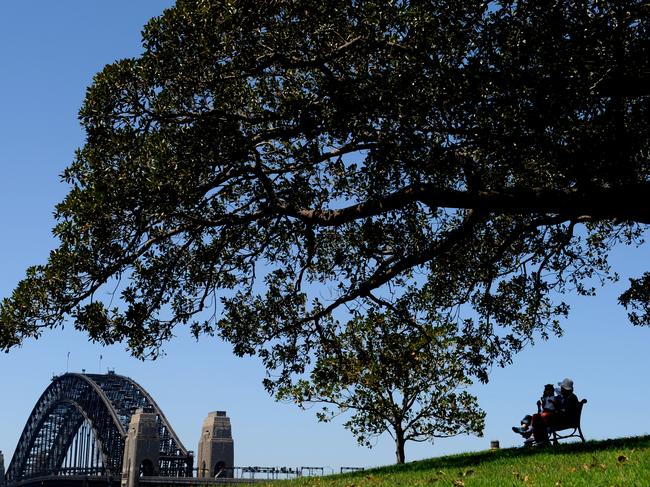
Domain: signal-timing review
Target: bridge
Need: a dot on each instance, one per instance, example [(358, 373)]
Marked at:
[(106, 430)]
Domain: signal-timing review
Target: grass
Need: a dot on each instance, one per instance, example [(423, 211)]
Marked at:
[(622, 462)]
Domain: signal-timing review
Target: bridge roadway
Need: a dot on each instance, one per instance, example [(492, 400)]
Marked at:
[(102, 481)]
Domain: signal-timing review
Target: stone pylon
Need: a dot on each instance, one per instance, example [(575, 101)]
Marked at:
[(2, 467), (216, 447), (141, 448)]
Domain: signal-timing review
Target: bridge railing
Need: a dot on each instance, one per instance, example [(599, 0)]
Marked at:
[(272, 473), (252, 472), (197, 475), (235, 475)]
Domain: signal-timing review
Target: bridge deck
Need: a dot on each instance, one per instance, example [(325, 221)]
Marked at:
[(102, 481)]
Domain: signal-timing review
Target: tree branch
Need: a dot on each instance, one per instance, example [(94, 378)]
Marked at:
[(618, 204)]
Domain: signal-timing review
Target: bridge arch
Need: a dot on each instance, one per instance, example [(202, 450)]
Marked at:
[(101, 406)]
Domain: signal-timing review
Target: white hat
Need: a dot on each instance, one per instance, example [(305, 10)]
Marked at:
[(566, 384)]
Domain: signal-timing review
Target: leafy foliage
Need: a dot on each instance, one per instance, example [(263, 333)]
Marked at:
[(265, 167), (392, 378)]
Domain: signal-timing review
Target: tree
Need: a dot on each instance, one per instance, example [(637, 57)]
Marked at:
[(393, 378), (263, 167)]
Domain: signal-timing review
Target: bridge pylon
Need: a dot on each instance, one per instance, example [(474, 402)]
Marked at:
[(141, 448), (216, 447)]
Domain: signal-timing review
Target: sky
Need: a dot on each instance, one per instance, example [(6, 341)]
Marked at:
[(49, 53)]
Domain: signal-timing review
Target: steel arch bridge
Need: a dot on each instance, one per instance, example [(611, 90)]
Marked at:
[(79, 425)]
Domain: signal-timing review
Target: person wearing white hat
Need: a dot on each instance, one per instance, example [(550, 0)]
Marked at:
[(566, 384), (566, 413)]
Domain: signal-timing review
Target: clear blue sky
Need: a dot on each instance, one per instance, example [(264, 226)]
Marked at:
[(49, 52)]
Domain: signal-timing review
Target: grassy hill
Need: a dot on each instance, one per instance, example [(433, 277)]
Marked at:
[(623, 462)]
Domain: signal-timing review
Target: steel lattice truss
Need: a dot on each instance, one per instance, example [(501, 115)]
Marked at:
[(79, 425)]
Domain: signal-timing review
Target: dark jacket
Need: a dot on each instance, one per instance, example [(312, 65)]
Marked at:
[(570, 408)]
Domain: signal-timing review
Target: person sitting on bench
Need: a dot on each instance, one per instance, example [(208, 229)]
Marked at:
[(570, 406), (563, 417), (548, 403), (565, 414)]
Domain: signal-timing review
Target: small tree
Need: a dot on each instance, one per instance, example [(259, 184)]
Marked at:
[(395, 378)]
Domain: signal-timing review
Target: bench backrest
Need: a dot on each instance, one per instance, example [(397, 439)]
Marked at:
[(580, 404)]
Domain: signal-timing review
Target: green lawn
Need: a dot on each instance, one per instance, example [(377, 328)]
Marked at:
[(623, 462)]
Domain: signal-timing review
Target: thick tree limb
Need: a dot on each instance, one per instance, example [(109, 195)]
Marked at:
[(629, 204)]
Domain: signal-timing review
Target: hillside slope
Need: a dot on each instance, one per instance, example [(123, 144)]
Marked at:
[(621, 462)]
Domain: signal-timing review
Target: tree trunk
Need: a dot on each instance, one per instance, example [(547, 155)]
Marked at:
[(399, 446)]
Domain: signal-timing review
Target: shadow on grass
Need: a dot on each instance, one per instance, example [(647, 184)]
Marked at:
[(466, 460)]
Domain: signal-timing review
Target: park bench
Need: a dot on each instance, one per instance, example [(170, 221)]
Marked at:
[(575, 431)]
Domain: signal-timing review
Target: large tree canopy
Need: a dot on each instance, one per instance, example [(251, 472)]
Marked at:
[(266, 170)]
